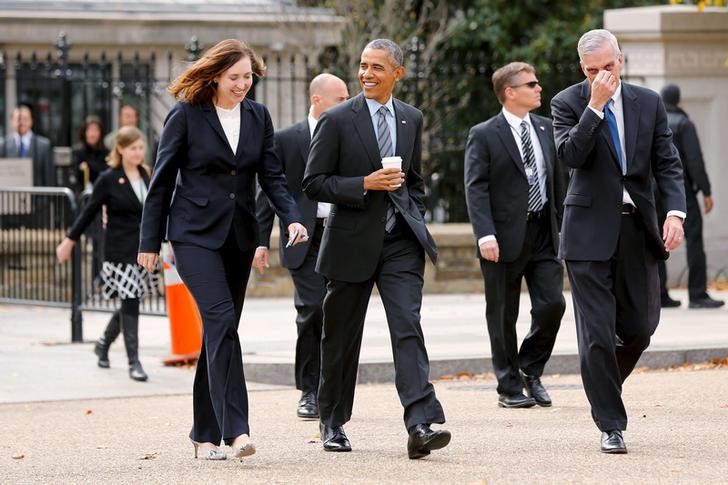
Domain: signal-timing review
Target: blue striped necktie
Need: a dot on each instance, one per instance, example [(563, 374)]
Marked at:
[(384, 139)]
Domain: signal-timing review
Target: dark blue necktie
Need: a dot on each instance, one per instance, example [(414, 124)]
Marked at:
[(614, 131), (22, 149)]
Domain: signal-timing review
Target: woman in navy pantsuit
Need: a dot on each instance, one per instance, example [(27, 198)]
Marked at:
[(202, 193)]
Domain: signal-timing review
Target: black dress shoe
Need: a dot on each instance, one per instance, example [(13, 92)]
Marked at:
[(706, 302), (334, 438), (308, 406), (667, 302), (535, 389), (515, 401), (612, 442), (423, 439)]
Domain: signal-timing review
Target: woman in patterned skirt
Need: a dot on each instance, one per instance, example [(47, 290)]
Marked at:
[(122, 189)]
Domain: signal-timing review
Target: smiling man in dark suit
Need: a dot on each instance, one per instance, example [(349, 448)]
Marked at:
[(514, 196), (375, 234), (614, 137), (292, 144), (25, 143)]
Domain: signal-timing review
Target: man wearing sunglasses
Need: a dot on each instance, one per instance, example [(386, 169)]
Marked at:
[(514, 194)]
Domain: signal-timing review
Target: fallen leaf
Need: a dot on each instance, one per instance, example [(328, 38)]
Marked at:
[(18, 457), (89, 412), (149, 456)]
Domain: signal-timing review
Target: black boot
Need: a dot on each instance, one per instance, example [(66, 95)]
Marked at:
[(130, 326), (101, 349)]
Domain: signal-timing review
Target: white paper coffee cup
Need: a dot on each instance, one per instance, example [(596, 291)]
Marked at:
[(392, 162)]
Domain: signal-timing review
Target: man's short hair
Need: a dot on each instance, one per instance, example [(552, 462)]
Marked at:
[(395, 52), (505, 76), (594, 40)]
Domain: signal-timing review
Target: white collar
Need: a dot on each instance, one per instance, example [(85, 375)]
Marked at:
[(515, 121), (374, 106)]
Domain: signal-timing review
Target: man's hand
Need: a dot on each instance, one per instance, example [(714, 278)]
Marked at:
[(389, 179), (672, 232), (707, 203), (490, 251), (148, 261), (260, 260), (602, 89), (297, 230)]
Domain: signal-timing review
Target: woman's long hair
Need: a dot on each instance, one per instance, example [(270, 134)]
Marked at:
[(197, 84), (92, 120), (124, 137)]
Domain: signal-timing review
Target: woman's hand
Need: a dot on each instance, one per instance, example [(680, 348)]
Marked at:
[(64, 249), (296, 234), (148, 261)]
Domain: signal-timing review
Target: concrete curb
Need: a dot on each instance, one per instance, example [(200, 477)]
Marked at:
[(380, 372)]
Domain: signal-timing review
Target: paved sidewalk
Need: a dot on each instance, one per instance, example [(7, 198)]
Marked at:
[(40, 364)]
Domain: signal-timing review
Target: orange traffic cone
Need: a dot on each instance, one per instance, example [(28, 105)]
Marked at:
[(185, 324)]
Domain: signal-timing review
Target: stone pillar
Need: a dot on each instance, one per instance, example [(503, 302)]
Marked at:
[(678, 44)]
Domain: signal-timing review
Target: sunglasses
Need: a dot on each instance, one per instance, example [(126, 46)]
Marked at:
[(530, 84)]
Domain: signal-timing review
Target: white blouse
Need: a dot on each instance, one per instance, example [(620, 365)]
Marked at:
[(230, 121)]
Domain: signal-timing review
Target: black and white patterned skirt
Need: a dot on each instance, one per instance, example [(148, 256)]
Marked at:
[(124, 280)]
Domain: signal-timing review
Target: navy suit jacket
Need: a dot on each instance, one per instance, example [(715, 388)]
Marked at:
[(200, 189), (292, 146), (343, 151), (593, 203)]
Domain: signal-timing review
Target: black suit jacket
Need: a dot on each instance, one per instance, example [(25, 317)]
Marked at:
[(496, 186), (123, 210), (344, 150), (592, 208), (41, 151), (292, 146), (200, 189)]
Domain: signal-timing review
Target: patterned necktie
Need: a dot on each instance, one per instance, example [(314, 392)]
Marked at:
[(614, 131), (529, 161), (22, 149), (384, 139)]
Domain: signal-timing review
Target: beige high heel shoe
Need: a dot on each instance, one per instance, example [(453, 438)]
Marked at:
[(208, 453), (246, 449)]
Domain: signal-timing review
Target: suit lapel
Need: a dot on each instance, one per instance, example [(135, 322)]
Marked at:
[(506, 136), (246, 126), (126, 188), (405, 134), (546, 140), (631, 112), (364, 127)]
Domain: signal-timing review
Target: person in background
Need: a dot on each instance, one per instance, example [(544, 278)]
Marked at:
[(326, 91), (685, 139), (202, 199), (122, 189), (514, 192), (24, 143), (89, 154)]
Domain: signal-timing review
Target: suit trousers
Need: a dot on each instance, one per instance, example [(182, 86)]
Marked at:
[(308, 297), (399, 279), (544, 275), (217, 280), (617, 309), (697, 263)]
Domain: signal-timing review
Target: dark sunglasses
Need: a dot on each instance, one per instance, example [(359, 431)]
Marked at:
[(530, 84)]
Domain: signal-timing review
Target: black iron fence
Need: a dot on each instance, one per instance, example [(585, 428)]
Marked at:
[(32, 223)]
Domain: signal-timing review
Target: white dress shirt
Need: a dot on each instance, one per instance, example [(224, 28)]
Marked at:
[(230, 121)]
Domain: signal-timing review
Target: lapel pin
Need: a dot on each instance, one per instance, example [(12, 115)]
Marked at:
[(122, 181), (404, 122), (542, 128)]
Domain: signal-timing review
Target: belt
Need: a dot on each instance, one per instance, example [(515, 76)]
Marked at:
[(628, 209), (533, 215)]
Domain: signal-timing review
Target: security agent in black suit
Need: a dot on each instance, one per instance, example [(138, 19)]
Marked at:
[(685, 139), (615, 140), (24, 143), (514, 197), (361, 248), (213, 145), (292, 144)]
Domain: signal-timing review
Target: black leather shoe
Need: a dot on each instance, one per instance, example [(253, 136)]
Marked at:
[(667, 302), (612, 442), (706, 302), (515, 401), (101, 349), (423, 439), (334, 438), (535, 389), (308, 406)]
